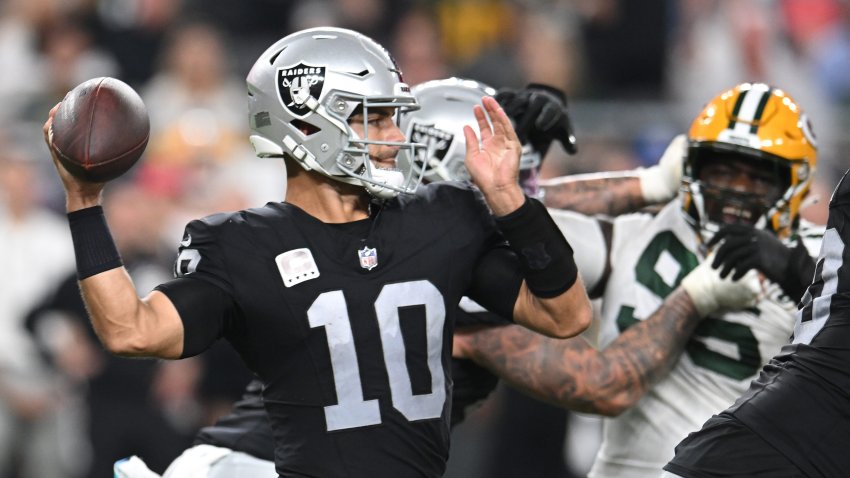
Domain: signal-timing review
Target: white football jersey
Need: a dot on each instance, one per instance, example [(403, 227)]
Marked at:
[(649, 255)]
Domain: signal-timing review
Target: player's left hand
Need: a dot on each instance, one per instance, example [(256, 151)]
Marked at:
[(493, 162), (541, 116), (743, 247)]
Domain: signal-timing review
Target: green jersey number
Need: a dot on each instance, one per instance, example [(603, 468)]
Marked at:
[(748, 361)]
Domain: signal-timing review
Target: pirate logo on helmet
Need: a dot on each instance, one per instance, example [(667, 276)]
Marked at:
[(297, 84)]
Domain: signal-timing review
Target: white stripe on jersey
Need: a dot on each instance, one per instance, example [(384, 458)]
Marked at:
[(832, 253)]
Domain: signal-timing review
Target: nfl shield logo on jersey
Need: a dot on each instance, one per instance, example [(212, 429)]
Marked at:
[(298, 84), (368, 258)]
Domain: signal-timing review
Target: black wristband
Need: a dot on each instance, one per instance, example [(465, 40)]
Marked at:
[(545, 255), (93, 246)]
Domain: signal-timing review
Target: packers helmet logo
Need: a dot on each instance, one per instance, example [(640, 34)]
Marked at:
[(297, 85), (437, 143)]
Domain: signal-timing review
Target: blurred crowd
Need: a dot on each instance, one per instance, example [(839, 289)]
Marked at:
[(634, 72)]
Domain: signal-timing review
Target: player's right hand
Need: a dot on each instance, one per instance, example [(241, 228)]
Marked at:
[(712, 294), (79, 194)]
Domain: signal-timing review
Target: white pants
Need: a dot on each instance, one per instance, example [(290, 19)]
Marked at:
[(207, 461)]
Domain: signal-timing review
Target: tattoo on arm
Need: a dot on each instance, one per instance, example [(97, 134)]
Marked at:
[(594, 194), (573, 374)]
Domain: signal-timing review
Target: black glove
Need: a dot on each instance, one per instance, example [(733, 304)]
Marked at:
[(540, 116), (745, 247)]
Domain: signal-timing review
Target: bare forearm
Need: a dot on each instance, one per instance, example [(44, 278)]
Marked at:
[(598, 193), (564, 316), (572, 374), (647, 351)]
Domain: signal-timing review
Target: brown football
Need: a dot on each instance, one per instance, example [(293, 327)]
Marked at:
[(100, 129)]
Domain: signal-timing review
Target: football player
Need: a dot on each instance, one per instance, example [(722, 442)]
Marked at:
[(793, 419), (598, 381), (749, 164), (342, 299), (240, 444)]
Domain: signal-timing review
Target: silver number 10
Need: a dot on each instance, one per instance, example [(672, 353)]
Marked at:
[(329, 311)]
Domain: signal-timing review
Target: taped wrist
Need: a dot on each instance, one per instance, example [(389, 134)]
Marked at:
[(545, 256), (93, 246), (653, 188)]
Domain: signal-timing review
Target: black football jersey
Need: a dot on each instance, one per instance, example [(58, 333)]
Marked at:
[(349, 325), (800, 403), (247, 429)]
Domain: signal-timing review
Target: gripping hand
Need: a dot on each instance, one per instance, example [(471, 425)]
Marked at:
[(712, 293), (743, 248), (540, 115)]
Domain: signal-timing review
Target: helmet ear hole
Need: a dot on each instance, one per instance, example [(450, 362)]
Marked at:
[(306, 128)]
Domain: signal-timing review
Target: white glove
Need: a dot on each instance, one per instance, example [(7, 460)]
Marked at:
[(661, 182), (710, 293)]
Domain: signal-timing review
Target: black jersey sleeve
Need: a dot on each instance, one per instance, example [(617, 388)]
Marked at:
[(496, 281), (497, 276), (201, 255), (203, 291), (206, 311)]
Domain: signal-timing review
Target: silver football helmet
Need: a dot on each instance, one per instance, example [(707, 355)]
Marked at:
[(301, 93), (445, 107)]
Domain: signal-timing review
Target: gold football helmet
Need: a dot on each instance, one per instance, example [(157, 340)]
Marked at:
[(763, 126)]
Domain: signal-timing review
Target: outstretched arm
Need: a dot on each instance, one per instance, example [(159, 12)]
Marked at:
[(124, 323), (616, 193), (611, 194), (572, 374)]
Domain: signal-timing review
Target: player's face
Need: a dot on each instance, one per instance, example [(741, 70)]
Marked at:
[(381, 126), (738, 190)]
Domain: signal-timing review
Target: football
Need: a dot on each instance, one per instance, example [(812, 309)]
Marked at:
[(100, 129)]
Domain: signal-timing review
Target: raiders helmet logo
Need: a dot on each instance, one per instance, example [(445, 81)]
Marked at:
[(297, 84), (437, 144)]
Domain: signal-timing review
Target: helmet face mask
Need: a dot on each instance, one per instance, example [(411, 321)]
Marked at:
[(757, 132), (445, 107), (737, 188), (301, 95)]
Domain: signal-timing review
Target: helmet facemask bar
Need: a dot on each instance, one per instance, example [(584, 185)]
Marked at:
[(354, 160)]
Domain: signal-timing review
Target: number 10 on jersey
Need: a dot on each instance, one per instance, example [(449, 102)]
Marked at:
[(351, 411)]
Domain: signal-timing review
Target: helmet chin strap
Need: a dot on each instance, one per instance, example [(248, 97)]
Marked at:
[(389, 177)]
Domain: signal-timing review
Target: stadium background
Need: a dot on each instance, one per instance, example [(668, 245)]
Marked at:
[(636, 73)]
